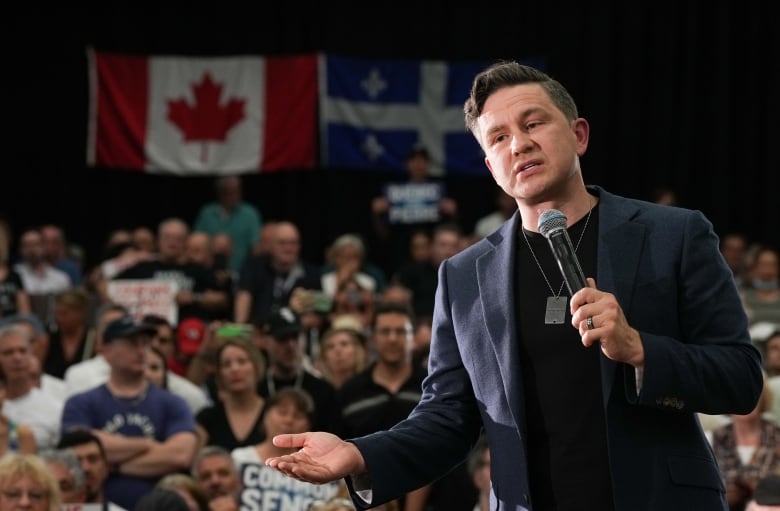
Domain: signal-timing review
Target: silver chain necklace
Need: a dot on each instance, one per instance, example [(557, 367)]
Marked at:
[(555, 313)]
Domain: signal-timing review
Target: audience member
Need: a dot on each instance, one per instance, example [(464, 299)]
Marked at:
[(26, 484), (479, 469), (215, 472), (771, 351), (51, 385), (234, 420), (188, 488), (57, 253), (70, 340), (287, 369), (147, 432), (746, 450), (199, 249), (734, 247), (761, 296), (290, 410), (156, 369), (505, 208), (65, 467), (38, 276), (346, 261), (94, 463), (394, 221), (343, 354), (14, 437), (92, 372), (266, 282), (231, 215), (197, 295), (144, 240), (387, 390), (169, 344), (24, 402), (422, 277)]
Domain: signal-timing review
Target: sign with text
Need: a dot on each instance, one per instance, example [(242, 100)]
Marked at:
[(146, 296), (412, 203), (267, 489)]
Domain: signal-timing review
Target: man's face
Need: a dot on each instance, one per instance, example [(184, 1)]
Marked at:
[(531, 148), (94, 466), (286, 352), (31, 247), (128, 354), (15, 356), (393, 338), (70, 493), (217, 476)]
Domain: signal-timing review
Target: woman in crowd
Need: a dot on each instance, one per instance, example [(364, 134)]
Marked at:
[(26, 484), (234, 419), (70, 340), (156, 368), (290, 410), (747, 449), (342, 355)]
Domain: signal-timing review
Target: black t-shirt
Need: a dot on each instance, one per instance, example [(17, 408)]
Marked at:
[(566, 432)]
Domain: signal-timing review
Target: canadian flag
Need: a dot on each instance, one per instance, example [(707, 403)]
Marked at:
[(202, 115)]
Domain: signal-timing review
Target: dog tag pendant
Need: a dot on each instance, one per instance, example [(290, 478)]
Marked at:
[(555, 314)]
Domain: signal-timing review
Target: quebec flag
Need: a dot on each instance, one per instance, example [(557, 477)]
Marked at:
[(372, 112)]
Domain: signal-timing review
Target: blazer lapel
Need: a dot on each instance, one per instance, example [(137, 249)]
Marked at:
[(496, 291)]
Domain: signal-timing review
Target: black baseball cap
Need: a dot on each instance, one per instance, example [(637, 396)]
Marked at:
[(126, 327), (284, 324)]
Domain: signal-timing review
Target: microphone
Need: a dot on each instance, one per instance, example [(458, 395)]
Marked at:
[(552, 225)]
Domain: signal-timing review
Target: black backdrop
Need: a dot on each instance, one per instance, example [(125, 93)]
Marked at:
[(683, 96)]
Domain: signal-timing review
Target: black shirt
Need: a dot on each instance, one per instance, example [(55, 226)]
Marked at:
[(566, 432)]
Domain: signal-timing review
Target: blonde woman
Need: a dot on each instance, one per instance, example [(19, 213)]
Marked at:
[(27, 485), (234, 420), (342, 355)]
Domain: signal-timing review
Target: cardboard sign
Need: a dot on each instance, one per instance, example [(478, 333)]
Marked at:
[(146, 296)]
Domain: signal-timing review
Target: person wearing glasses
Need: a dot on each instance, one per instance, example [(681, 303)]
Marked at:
[(26, 484)]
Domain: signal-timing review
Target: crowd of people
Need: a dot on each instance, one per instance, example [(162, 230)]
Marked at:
[(157, 378), (177, 397)]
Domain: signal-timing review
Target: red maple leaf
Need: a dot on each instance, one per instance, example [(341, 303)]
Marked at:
[(207, 120)]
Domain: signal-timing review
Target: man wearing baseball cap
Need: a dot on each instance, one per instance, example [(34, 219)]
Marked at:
[(147, 431)]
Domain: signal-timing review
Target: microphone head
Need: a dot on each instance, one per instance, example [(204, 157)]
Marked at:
[(551, 220)]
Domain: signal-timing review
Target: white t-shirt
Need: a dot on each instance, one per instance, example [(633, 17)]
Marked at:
[(38, 411)]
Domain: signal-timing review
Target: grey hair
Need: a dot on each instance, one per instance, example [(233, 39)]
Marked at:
[(66, 457), (207, 452), (14, 329)]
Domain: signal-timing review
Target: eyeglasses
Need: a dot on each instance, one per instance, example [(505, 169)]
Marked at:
[(32, 495)]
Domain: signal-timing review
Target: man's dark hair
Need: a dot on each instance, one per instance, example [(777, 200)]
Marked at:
[(80, 436), (508, 74), (391, 308)]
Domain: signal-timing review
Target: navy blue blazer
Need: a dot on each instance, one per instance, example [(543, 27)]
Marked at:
[(664, 267)]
